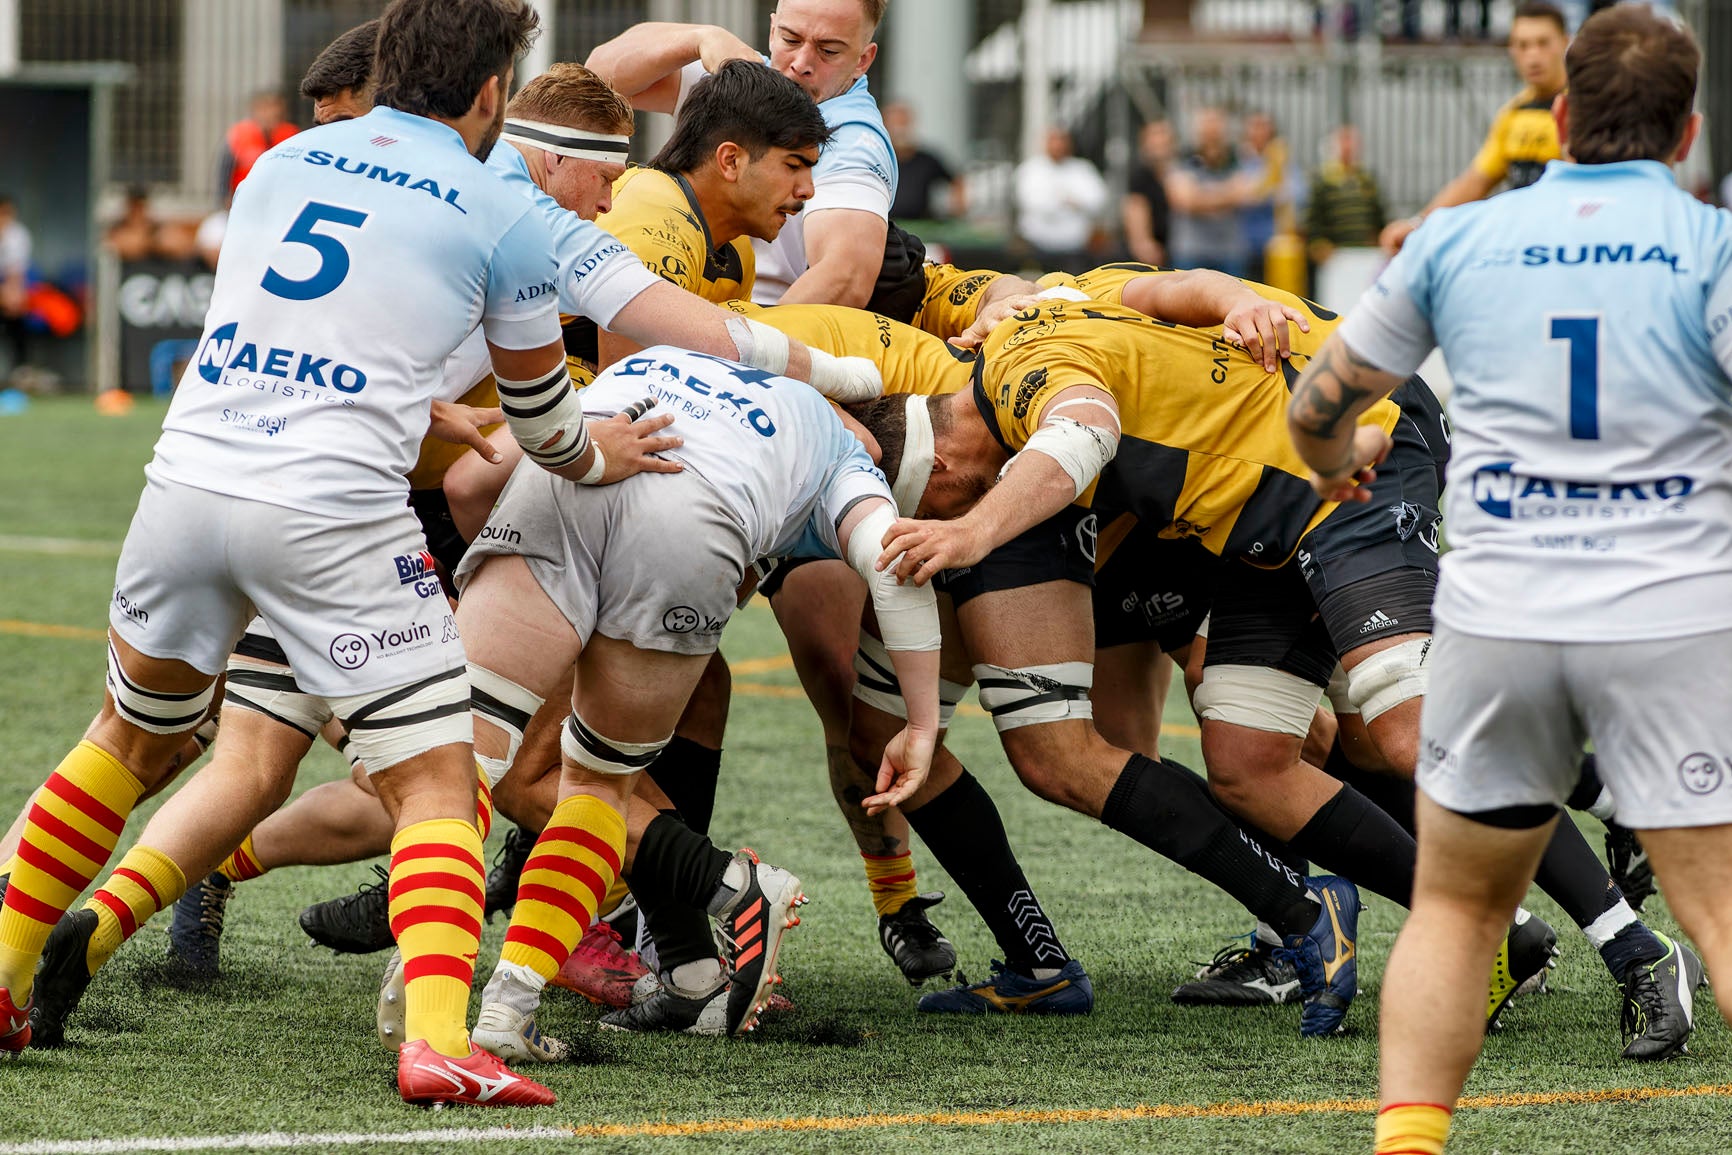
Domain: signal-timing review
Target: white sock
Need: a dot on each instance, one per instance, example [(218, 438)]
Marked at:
[(1266, 934), (1605, 928), (1604, 808), (696, 979), (516, 986)]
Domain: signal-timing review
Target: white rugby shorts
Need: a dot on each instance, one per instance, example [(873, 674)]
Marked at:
[(1506, 722), (355, 605)]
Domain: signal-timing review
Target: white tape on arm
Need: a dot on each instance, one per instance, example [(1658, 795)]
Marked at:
[(546, 418), (759, 345), (907, 614), (845, 379), (1082, 451)]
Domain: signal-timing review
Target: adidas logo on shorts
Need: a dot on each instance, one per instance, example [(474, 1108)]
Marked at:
[(1378, 621)]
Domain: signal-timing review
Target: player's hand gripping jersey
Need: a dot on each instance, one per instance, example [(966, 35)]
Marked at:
[(1204, 451), (1588, 432), (335, 235)]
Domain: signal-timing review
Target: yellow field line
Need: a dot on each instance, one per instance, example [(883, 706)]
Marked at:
[(48, 630), (769, 665)]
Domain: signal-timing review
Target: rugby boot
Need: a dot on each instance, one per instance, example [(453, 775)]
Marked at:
[(1326, 957), (14, 1024), (1528, 950), (513, 1036), (753, 923), (62, 977), (1009, 992), (919, 949), (391, 1013), (502, 880), (666, 1008), (1242, 976), (358, 923), (1659, 1003), (195, 931), (600, 968), (1627, 863), (427, 1078)]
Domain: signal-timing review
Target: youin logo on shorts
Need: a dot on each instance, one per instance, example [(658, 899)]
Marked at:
[(350, 651), (1701, 773)]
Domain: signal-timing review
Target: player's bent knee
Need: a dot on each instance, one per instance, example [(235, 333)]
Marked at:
[(1390, 677), (1257, 698), (875, 684), (506, 706), (388, 727), (581, 745), (1035, 695), (152, 711)]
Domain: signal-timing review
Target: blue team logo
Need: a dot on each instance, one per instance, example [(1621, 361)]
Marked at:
[(1494, 489), (213, 357)]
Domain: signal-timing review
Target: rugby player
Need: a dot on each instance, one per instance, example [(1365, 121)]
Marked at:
[(1523, 137), (1595, 354), (299, 488), (832, 252), (635, 591)]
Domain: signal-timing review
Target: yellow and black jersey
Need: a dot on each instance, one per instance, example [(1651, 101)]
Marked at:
[(1108, 282), (656, 215), (908, 360), (1523, 137), (439, 456), (1203, 452), (952, 299)]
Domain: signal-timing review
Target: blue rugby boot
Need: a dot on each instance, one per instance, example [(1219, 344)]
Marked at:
[(1067, 993), (1326, 957)]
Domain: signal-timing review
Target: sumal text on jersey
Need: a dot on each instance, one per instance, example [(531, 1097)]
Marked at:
[(401, 178)]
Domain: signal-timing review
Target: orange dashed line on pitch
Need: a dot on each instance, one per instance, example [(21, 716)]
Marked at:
[(523, 1136), (49, 630)]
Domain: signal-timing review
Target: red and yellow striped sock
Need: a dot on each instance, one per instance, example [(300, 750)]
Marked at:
[(71, 831), (1412, 1129), (483, 802), (146, 881), (243, 863), (436, 896), (568, 874), (890, 878)]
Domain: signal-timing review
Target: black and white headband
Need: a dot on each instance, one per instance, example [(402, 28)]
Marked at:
[(578, 145)]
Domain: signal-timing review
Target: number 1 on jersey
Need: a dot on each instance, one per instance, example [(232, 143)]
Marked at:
[(1583, 335), (333, 257)]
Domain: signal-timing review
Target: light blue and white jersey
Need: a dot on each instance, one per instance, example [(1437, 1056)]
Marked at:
[(856, 170), (1587, 322), (359, 255), (771, 446), (598, 276)]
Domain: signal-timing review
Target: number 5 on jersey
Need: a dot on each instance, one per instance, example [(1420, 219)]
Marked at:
[(333, 257)]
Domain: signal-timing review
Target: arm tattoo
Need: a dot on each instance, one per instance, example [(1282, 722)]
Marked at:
[(1331, 388)]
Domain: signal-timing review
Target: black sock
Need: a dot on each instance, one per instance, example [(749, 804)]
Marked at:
[(1393, 793), (1351, 836), (1170, 810), (1633, 945), (1570, 872), (962, 829), (1587, 791), (674, 875), (687, 773)]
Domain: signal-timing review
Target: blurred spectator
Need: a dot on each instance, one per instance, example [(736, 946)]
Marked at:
[(1452, 19), (1205, 189), (246, 140), (209, 238), (1268, 190), (14, 283), (137, 235), (1345, 208), (339, 81), (1144, 213), (1058, 197), (921, 173)]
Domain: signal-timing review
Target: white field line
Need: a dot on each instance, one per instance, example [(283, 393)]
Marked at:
[(277, 1140), (58, 546)]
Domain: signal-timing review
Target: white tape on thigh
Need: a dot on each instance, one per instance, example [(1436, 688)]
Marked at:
[(1390, 677), (391, 726), (259, 679), (1258, 698), (1340, 696), (504, 704), (1034, 695), (152, 711), (875, 684), (579, 742)]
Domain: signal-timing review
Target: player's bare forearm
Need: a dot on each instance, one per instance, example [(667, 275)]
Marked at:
[(1008, 285), (1335, 388), (643, 63), (845, 248)]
